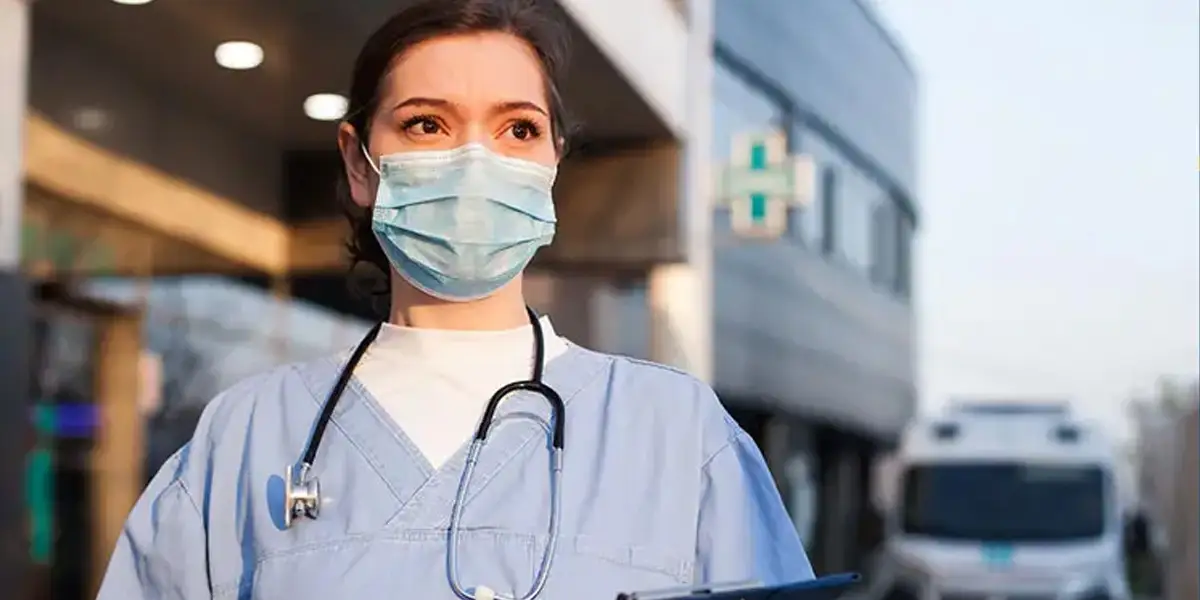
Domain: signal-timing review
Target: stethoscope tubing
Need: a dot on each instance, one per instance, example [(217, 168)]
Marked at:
[(318, 433), (543, 572), (533, 385)]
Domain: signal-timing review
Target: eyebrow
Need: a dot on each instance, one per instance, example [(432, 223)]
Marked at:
[(420, 101), (498, 108), (503, 107)]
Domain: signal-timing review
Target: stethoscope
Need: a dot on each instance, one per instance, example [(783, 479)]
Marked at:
[(302, 490)]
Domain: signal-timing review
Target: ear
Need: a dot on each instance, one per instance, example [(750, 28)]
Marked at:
[(359, 174)]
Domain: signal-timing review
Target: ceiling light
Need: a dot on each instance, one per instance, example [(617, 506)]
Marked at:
[(90, 119), (239, 56), (133, 2), (325, 107)]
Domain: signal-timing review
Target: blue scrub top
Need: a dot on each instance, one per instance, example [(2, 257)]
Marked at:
[(660, 488)]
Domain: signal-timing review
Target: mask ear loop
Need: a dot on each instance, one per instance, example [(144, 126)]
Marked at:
[(367, 155)]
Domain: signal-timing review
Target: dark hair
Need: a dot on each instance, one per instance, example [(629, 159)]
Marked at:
[(529, 20)]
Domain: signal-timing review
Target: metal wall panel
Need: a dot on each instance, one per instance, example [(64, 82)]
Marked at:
[(796, 329), (837, 60)]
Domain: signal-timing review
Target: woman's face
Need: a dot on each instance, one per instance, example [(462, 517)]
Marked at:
[(486, 88)]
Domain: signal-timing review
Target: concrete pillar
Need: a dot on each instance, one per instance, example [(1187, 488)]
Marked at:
[(118, 456), (840, 493), (14, 59), (280, 341), (1183, 561), (777, 448), (680, 318), (680, 295), (605, 320), (566, 299), (15, 306)]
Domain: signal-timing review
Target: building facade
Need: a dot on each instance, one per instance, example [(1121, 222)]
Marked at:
[(167, 226), (815, 349)]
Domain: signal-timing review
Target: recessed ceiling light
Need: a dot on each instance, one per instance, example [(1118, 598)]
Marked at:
[(325, 107), (239, 56), (133, 2), (90, 119)]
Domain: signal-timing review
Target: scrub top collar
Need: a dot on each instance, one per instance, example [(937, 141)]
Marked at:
[(425, 494)]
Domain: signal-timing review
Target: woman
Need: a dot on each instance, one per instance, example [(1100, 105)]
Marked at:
[(451, 142)]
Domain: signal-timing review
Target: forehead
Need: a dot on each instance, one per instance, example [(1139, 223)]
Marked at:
[(468, 69)]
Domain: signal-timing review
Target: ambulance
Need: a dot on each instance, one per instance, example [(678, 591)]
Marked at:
[(1002, 501)]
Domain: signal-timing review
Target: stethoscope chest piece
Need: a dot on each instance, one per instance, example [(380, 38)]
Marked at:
[(301, 495)]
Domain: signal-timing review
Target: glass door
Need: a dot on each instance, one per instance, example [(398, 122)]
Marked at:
[(84, 360), (64, 420)]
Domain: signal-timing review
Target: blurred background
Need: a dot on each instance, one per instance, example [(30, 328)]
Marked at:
[(930, 254)]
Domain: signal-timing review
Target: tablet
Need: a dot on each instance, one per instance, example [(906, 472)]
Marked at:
[(825, 588)]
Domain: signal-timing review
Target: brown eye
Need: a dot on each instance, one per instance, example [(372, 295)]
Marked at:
[(524, 130), (422, 126)]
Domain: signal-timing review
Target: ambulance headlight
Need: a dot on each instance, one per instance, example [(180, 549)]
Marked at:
[(1084, 588)]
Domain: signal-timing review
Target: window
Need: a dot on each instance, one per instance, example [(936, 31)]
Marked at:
[(884, 244), (903, 280), (852, 215), (846, 205), (1003, 502), (859, 196), (829, 209), (856, 218)]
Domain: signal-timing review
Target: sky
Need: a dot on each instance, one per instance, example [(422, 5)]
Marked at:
[(1060, 180)]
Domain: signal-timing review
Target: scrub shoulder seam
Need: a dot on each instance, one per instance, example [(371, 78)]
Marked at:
[(660, 367)]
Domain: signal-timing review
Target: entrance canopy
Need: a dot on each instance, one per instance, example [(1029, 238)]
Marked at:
[(131, 115)]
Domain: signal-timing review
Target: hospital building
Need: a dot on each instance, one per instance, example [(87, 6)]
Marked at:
[(740, 202)]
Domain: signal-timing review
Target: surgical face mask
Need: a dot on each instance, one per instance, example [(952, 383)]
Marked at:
[(460, 224)]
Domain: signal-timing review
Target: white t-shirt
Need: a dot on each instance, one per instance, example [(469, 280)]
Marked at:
[(434, 383)]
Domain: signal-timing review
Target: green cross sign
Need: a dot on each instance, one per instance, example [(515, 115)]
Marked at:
[(758, 164), (761, 183)]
